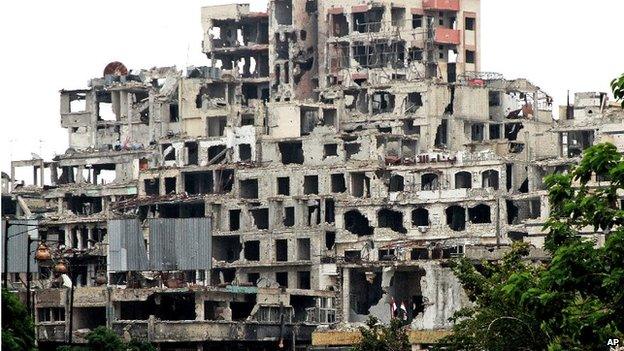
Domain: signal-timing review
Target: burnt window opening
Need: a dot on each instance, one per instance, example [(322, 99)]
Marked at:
[(224, 179), (420, 217), (176, 307), (494, 98), (226, 248), (429, 181), (247, 120), (314, 214), (329, 211), (308, 120), (463, 180), (283, 186), (281, 250), (522, 210), (456, 218), (509, 175), (397, 15), (517, 236), (470, 56), (409, 128), (353, 255), (216, 154), (216, 126), (170, 185), (383, 102), (152, 187), (260, 217), (169, 152), (252, 250), (89, 317), (84, 205), (490, 179), (441, 138), (51, 314), (351, 149), (289, 216), (417, 21), (368, 21), (471, 23), (366, 291), (303, 249), (397, 183), (174, 113), (338, 184), (414, 102), (330, 240), (281, 278), (330, 150), (214, 310), (249, 188), (191, 152), (387, 218), (495, 131), (310, 185), (415, 54), (283, 12), (244, 152), (242, 310), (303, 279), (573, 143), (235, 219), (387, 255), (477, 132), (330, 116), (357, 223), (198, 183), (419, 253), (512, 212), (360, 185), (291, 152), (223, 276), (339, 25), (512, 130), (253, 278), (480, 214)]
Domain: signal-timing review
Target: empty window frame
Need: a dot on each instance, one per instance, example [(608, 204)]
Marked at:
[(429, 181), (463, 180)]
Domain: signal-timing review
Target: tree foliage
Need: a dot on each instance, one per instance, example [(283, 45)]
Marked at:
[(617, 86), (378, 337), (18, 330), (576, 300)]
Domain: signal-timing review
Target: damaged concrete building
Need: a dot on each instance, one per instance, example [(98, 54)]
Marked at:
[(323, 166)]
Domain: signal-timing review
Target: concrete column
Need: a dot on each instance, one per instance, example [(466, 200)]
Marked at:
[(346, 301), (42, 173), (80, 243), (90, 236), (68, 236)]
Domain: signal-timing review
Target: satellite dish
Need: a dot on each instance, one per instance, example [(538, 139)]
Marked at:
[(115, 68)]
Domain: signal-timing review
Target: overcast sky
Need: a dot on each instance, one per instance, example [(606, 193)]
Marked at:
[(50, 45)]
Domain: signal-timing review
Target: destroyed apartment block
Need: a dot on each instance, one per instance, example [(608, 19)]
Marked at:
[(327, 161)]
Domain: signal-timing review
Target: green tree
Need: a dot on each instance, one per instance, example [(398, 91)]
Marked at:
[(617, 86), (575, 301), (18, 330), (378, 337)]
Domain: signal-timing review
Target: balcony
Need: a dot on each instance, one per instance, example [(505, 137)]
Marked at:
[(441, 5), (447, 36)]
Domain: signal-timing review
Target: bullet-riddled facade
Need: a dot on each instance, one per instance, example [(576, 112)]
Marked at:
[(324, 165)]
